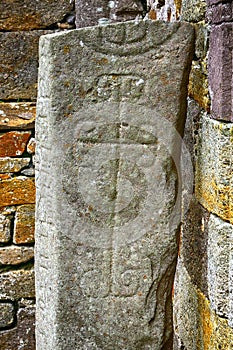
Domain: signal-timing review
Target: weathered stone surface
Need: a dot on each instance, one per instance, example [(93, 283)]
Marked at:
[(221, 12), (220, 263), (31, 147), (19, 64), (198, 84), (105, 11), (193, 11), (23, 336), (17, 284), (17, 190), (5, 229), (196, 324), (125, 10), (194, 240), (201, 42), (13, 143), (106, 190), (6, 314), (20, 115), (90, 13), (214, 187), (15, 255), (24, 224), (13, 165), (27, 15), (220, 71)]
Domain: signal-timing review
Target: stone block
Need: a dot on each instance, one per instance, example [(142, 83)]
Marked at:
[(196, 324), (19, 64), (108, 211), (90, 13), (16, 284), (17, 190), (13, 143), (23, 336), (5, 229), (27, 15), (125, 10), (220, 71), (13, 165), (15, 255), (193, 11), (198, 84), (31, 147), (214, 187), (104, 11), (7, 314), (220, 12), (220, 239), (24, 224), (20, 115)]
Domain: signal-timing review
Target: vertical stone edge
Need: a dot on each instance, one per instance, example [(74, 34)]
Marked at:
[(44, 229)]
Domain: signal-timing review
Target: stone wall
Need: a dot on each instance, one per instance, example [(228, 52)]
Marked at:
[(21, 25), (203, 290)]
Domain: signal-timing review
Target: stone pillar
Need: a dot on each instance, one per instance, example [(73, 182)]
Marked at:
[(111, 102)]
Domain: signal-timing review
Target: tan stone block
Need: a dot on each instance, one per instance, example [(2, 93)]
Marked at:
[(27, 15), (5, 176), (214, 186), (31, 147), (198, 85), (24, 224), (13, 143), (20, 115), (18, 190), (5, 229), (17, 284), (13, 165), (196, 324), (15, 255)]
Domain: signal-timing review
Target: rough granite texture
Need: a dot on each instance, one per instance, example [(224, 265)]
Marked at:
[(108, 190), (193, 11), (104, 11), (220, 71), (19, 64), (214, 186), (220, 267), (196, 324), (27, 15), (219, 12)]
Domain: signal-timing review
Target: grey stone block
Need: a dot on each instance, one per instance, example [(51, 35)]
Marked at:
[(108, 184), (219, 266), (19, 64)]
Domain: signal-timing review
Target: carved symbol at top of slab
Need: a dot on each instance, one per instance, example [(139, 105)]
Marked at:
[(131, 39)]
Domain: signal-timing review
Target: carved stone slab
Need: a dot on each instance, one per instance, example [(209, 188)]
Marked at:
[(111, 100)]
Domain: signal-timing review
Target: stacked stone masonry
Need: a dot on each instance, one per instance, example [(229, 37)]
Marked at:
[(203, 302), (21, 25), (203, 288)]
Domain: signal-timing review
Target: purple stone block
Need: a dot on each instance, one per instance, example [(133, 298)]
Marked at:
[(220, 13), (220, 71)]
